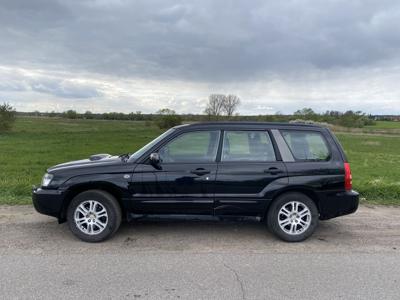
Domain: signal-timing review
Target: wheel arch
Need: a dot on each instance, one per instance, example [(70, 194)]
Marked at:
[(310, 193), (82, 187)]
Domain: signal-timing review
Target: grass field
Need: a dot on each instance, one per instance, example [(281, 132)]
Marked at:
[(375, 161), (384, 125), (381, 127), (37, 143)]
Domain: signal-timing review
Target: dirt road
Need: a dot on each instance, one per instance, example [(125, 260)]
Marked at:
[(352, 256)]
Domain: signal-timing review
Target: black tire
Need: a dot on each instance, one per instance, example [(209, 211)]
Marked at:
[(109, 203), (273, 217)]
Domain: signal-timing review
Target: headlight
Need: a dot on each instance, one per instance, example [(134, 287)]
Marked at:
[(47, 179)]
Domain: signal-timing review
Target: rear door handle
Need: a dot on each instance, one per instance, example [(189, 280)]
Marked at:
[(200, 171), (273, 171)]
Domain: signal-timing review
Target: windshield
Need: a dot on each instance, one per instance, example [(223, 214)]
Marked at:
[(145, 148)]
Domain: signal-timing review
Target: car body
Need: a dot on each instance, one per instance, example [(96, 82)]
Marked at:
[(217, 168)]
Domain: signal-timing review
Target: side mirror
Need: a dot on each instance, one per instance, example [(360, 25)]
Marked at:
[(155, 159)]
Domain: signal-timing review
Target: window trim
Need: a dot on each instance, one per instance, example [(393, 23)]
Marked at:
[(328, 147), (266, 131), (157, 149)]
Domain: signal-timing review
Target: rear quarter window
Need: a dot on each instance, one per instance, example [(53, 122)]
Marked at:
[(307, 145)]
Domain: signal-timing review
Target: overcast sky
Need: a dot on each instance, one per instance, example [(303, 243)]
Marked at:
[(117, 55)]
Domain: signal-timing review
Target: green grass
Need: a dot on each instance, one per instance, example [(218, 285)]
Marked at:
[(37, 143), (380, 127), (375, 161), (384, 125)]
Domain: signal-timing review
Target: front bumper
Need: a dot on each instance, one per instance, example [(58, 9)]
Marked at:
[(338, 204), (48, 202)]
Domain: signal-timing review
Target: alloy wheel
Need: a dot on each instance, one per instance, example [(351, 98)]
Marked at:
[(294, 218), (91, 217)]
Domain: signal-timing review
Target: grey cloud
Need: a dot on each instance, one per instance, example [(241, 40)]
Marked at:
[(56, 83), (12, 86), (199, 40), (64, 89), (276, 55)]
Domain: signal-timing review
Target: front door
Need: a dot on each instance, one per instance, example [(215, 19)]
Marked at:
[(184, 180), (247, 173)]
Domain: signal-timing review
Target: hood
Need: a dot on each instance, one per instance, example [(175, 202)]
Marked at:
[(92, 161)]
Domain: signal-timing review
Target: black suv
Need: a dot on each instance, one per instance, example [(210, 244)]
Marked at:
[(290, 175)]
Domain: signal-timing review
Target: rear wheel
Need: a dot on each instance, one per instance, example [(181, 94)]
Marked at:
[(293, 217), (94, 216)]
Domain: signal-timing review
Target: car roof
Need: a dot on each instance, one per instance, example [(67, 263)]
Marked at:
[(246, 124)]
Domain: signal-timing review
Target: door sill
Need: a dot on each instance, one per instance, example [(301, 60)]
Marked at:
[(191, 217)]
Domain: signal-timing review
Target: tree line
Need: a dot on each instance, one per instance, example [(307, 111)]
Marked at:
[(356, 119), (219, 108)]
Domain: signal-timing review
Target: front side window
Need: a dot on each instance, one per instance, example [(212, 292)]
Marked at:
[(191, 147), (306, 145), (247, 146), (148, 146)]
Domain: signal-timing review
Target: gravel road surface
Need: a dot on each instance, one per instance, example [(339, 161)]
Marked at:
[(352, 257)]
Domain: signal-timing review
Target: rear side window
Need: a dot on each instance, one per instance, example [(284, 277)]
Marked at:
[(247, 146), (307, 145)]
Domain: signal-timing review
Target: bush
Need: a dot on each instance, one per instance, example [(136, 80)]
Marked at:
[(168, 121), (70, 114), (88, 115), (369, 122), (352, 119), (168, 118), (7, 117)]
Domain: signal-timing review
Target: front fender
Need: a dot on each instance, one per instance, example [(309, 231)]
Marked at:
[(118, 185)]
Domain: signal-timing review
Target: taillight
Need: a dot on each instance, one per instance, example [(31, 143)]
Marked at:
[(348, 184)]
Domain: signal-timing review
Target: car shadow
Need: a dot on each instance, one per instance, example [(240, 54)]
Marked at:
[(165, 234), (204, 234)]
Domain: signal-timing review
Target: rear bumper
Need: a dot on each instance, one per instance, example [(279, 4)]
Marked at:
[(338, 204), (47, 202)]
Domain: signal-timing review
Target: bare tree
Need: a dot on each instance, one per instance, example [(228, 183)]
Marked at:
[(215, 105), (230, 104)]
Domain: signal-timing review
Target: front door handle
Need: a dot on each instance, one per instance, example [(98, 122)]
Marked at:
[(200, 171), (273, 171)]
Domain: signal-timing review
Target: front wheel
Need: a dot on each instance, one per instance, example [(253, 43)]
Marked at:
[(94, 216), (293, 217)]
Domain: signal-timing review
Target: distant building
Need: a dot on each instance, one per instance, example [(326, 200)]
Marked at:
[(395, 118)]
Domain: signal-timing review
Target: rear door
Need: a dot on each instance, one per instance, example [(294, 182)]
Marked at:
[(249, 171)]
